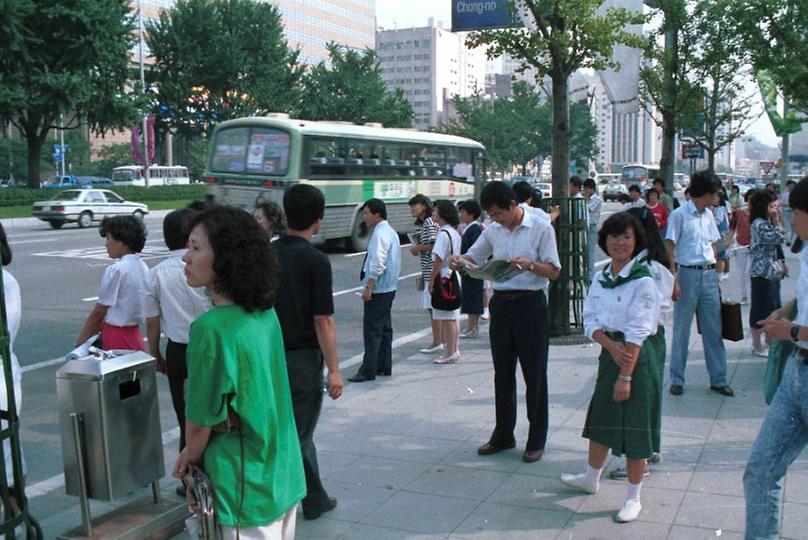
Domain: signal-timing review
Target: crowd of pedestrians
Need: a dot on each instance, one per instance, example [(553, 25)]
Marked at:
[(246, 304)]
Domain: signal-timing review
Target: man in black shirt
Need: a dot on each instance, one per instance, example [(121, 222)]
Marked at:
[(305, 307)]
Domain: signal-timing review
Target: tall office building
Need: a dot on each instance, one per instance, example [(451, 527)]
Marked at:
[(430, 65), (310, 24)]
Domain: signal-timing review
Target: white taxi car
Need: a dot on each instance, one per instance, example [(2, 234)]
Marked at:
[(84, 206)]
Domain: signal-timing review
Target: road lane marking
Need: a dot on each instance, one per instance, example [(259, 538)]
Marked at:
[(89, 299), (149, 252), (17, 243), (346, 291)]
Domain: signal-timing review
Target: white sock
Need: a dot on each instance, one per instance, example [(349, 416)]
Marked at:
[(634, 492), (592, 475)]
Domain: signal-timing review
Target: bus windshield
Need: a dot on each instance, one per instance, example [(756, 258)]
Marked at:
[(263, 151)]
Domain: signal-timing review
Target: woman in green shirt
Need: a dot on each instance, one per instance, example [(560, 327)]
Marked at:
[(239, 418)]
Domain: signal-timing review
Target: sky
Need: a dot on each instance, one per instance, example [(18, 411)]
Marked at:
[(410, 13)]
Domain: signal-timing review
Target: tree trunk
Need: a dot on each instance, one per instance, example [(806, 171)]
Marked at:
[(34, 143), (784, 151), (668, 156), (561, 136), (667, 159)]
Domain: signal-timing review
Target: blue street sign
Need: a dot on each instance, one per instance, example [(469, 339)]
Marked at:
[(481, 14)]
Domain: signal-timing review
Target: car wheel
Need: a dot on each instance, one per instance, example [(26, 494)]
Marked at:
[(85, 219), (138, 214), (56, 224)]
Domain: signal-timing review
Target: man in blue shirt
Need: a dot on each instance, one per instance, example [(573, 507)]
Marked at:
[(690, 242), (380, 272)]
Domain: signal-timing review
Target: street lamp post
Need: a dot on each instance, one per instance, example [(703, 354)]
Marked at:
[(143, 89)]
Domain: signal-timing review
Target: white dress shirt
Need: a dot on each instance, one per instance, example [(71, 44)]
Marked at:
[(802, 294), (632, 308), (166, 294), (693, 234), (538, 212), (593, 206), (121, 291), (533, 239)]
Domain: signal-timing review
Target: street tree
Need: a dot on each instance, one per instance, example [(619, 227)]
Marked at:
[(774, 34), (350, 89), (725, 110), (560, 37), (514, 130), (669, 80), (65, 62), (219, 59)]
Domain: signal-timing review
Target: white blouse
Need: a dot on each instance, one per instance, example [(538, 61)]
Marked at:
[(664, 281), (122, 289), (444, 249), (632, 308)]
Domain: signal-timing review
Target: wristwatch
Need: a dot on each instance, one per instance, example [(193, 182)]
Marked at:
[(795, 333), (626, 378), (530, 268)]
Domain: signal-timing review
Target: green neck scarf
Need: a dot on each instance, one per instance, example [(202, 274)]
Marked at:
[(638, 270)]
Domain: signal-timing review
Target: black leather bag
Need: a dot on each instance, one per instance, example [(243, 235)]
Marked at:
[(446, 295)]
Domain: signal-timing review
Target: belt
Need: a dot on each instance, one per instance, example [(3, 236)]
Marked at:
[(516, 295), (698, 266), (802, 353)]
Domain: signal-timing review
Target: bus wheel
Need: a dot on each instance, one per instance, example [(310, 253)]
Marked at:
[(360, 236)]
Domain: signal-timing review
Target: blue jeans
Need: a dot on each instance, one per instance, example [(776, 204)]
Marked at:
[(699, 293), (782, 437)]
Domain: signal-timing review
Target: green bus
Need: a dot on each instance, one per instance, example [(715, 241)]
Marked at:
[(257, 158)]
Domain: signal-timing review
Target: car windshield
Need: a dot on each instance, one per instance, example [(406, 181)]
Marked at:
[(67, 196)]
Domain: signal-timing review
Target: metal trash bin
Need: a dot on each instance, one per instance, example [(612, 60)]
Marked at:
[(115, 394)]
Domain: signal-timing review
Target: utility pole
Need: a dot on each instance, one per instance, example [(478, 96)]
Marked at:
[(62, 141), (143, 89), (784, 150)]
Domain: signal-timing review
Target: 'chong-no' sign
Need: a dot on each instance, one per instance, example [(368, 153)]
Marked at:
[(480, 14)]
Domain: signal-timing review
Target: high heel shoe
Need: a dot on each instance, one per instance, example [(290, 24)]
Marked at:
[(451, 359)]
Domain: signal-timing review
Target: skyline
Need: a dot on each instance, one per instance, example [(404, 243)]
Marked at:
[(395, 14)]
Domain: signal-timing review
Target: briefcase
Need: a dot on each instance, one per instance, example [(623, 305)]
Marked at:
[(731, 321)]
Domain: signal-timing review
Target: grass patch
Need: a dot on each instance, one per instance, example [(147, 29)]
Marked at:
[(20, 211)]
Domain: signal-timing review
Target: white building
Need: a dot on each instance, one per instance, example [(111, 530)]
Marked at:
[(430, 65)]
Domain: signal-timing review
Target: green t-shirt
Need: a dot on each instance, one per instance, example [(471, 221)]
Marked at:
[(238, 357)]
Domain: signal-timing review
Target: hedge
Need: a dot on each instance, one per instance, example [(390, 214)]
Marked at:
[(17, 196)]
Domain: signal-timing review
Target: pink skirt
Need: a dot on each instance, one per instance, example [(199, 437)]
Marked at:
[(122, 337)]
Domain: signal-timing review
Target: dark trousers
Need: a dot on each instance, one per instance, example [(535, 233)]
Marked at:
[(177, 372), (519, 330), (305, 368), (377, 328)]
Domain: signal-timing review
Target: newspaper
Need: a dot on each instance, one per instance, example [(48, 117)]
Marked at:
[(492, 270)]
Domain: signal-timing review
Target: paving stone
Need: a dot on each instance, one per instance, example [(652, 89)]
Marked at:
[(420, 513)]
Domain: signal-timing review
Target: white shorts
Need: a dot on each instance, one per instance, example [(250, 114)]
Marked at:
[(282, 528), (440, 315)]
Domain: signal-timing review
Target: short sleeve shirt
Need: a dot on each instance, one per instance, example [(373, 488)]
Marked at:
[(428, 234), (237, 357), (122, 290), (446, 244), (693, 234), (305, 291)]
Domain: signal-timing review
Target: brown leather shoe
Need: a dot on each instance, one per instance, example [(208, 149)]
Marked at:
[(531, 456), (488, 448)]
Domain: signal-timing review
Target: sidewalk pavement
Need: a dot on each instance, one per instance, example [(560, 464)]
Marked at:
[(399, 454)]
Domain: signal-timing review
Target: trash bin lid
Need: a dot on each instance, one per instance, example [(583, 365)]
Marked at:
[(93, 368)]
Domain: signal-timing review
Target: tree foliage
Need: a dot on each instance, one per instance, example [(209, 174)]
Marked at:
[(220, 59), (560, 37), (774, 33), (351, 89), (64, 57), (518, 129)]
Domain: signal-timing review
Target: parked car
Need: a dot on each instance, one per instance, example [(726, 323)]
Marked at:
[(546, 189), (63, 181), (613, 190), (84, 206), (95, 181), (535, 182)]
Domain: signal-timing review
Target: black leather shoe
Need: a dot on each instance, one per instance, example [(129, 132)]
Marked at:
[(360, 378), (531, 456), (180, 490), (723, 390), (329, 505), (489, 448), (677, 389), (383, 373)]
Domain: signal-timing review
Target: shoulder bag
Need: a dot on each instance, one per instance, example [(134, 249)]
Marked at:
[(446, 294)]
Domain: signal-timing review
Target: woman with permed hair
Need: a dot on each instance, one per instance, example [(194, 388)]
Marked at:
[(239, 418), (269, 216), (117, 314)]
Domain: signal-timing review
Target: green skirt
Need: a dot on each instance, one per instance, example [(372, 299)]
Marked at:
[(631, 428)]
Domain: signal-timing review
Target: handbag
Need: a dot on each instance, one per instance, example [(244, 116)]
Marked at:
[(446, 295), (201, 489), (731, 320)]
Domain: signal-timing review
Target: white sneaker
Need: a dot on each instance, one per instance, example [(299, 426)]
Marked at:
[(578, 481), (432, 350), (762, 352), (630, 511)]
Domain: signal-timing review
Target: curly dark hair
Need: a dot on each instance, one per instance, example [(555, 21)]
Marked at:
[(447, 212), (759, 204), (127, 229), (246, 267), (274, 214)]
